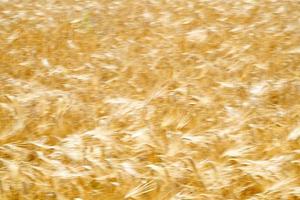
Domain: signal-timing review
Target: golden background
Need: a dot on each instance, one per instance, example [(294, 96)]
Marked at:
[(150, 99)]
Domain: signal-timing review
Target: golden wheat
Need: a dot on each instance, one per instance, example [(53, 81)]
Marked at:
[(149, 99)]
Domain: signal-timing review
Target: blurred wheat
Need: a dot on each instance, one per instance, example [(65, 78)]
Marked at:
[(149, 99)]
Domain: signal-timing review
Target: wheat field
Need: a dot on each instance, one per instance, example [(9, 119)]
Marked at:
[(149, 99)]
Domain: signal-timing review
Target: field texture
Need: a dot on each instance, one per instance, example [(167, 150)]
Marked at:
[(149, 100)]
